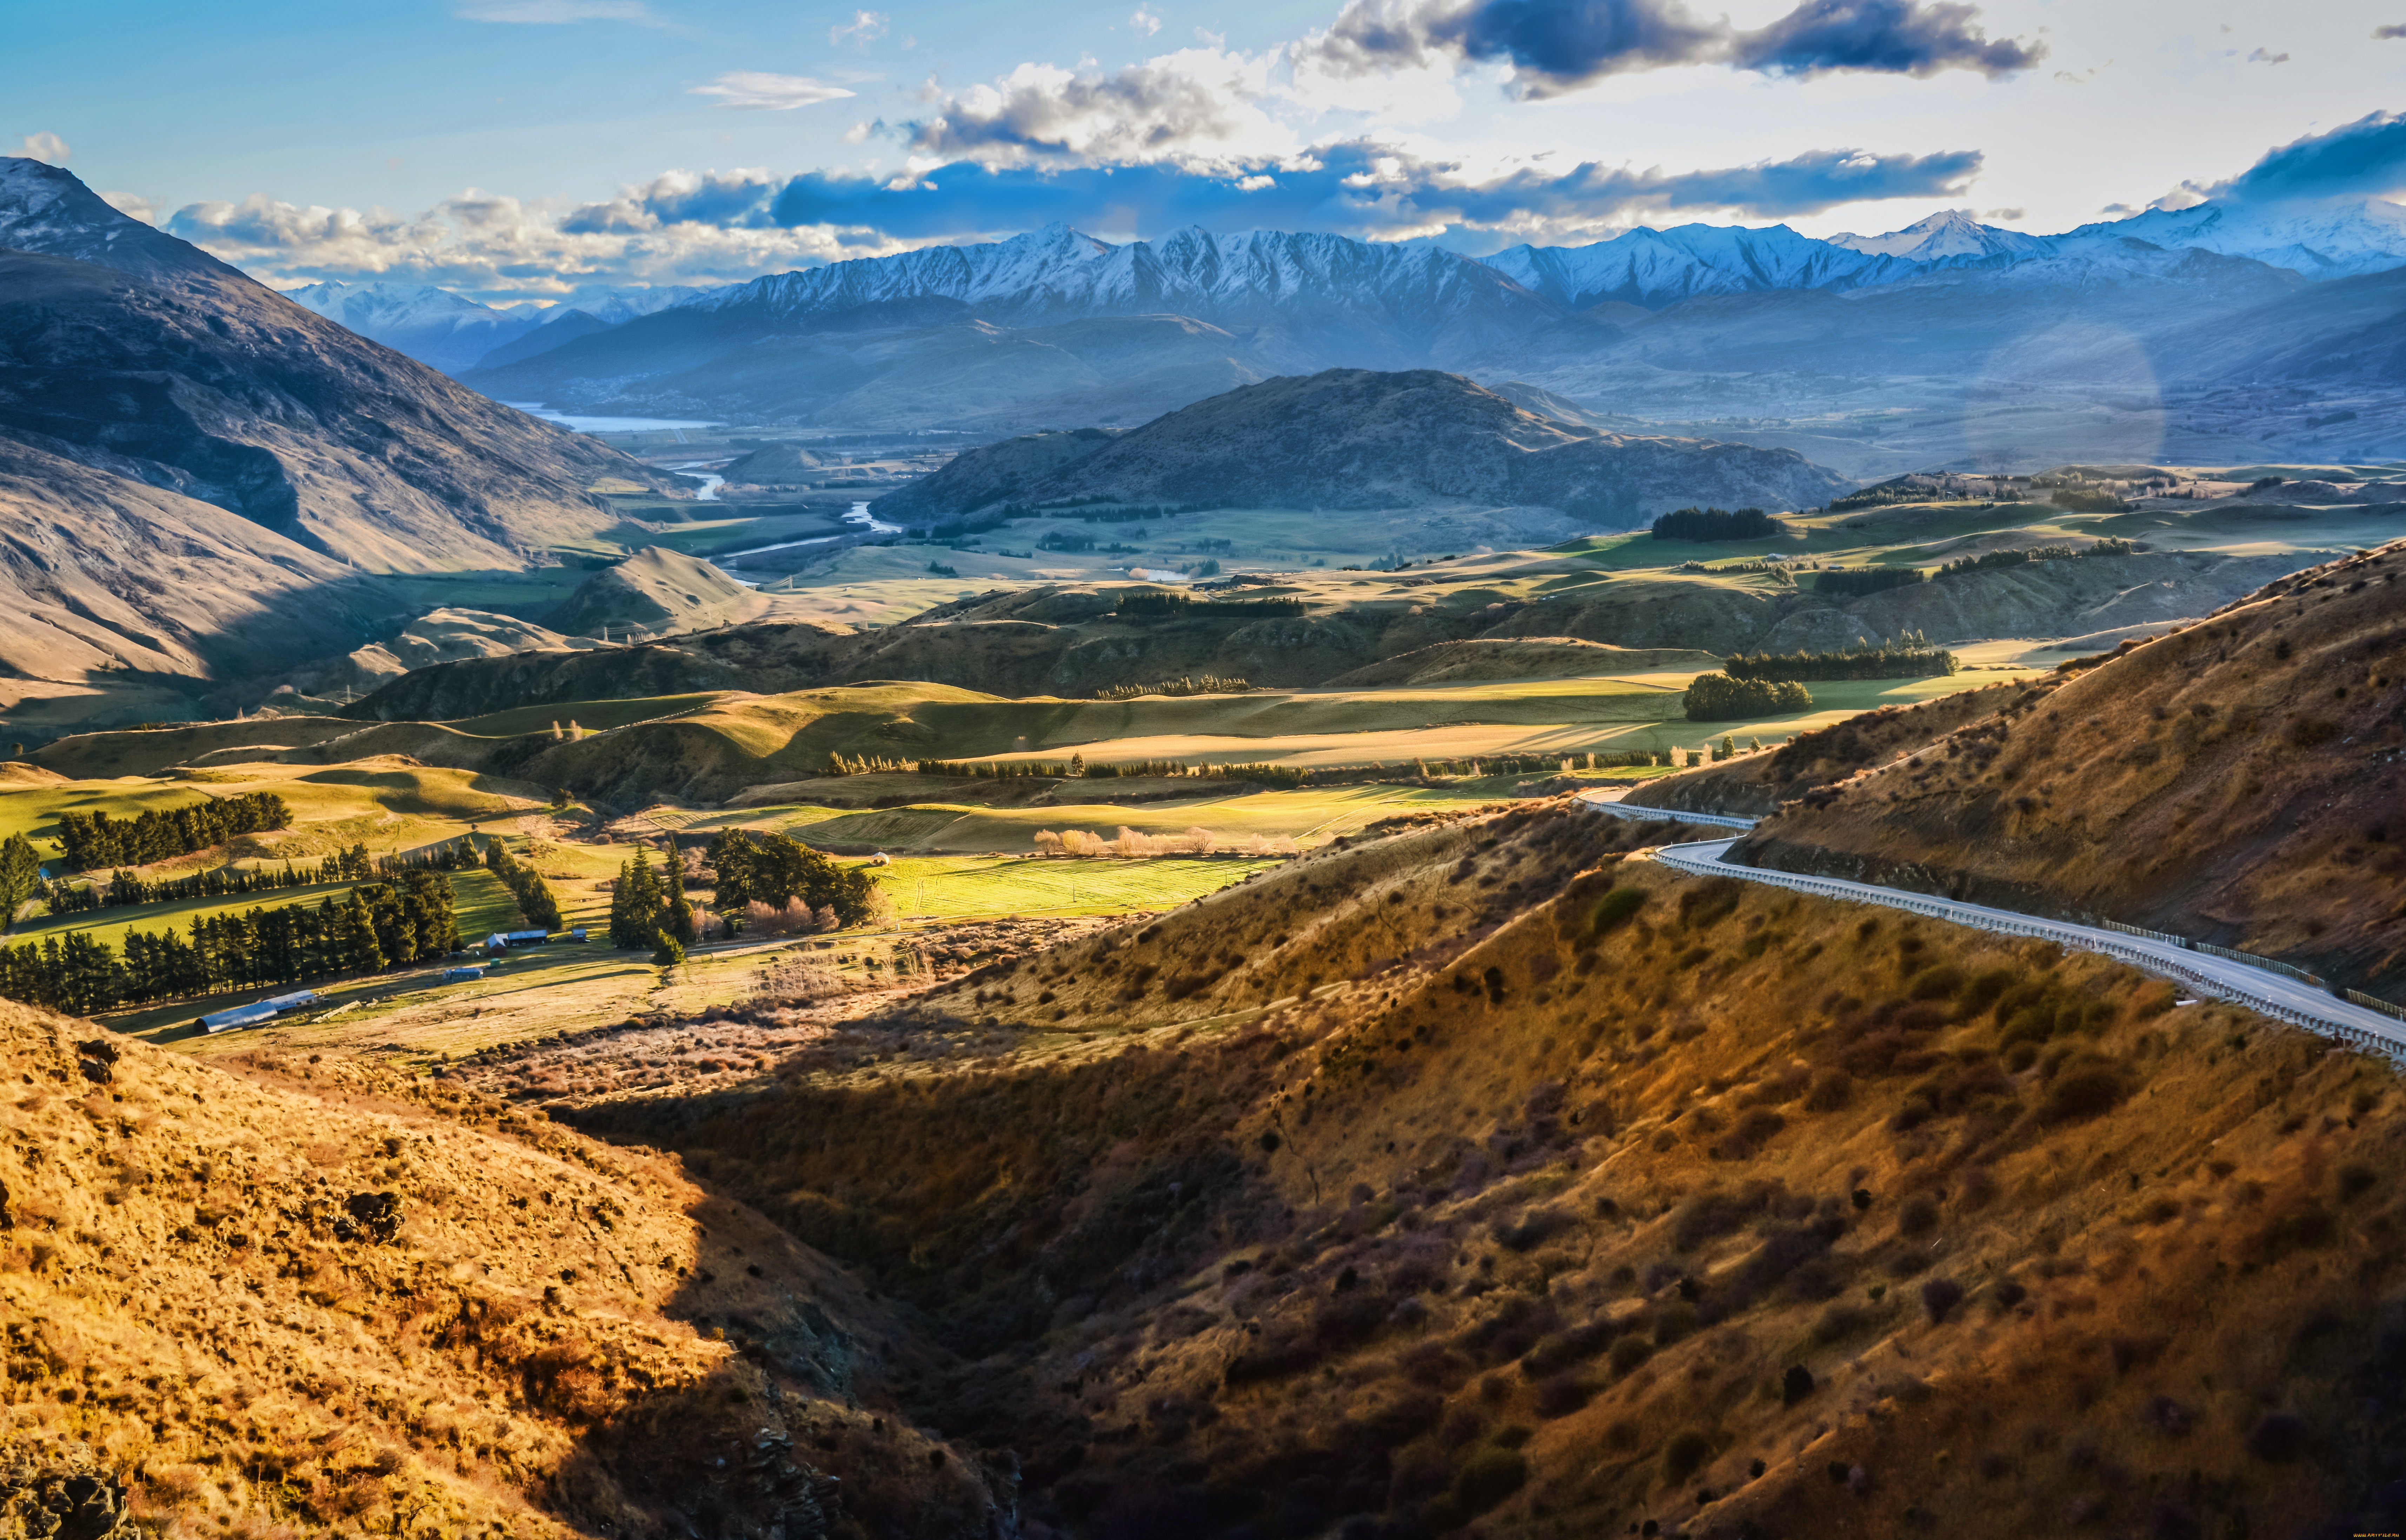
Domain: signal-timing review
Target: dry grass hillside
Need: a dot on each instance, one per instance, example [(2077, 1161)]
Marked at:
[(1482, 1174), (2239, 781), (313, 1299), (1758, 784)]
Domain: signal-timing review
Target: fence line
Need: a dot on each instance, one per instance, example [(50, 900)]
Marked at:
[(2360, 997)]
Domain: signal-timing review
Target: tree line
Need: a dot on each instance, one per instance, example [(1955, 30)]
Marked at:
[(1718, 698), (2036, 552), (1156, 601), (127, 888), (97, 839), (374, 927), (1710, 524), (1905, 658), (526, 885)]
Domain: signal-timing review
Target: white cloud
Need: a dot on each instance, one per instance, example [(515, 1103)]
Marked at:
[(1195, 104), (134, 207), (745, 88), (552, 13), (1143, 20), (867, 26), (506, 248), (46, 146)]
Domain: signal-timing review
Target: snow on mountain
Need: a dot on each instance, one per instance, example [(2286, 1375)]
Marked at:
[(1654, 268), (431, 325), (1951, 233), (48, 210), (617, 307), (1301, 280), (2321, 238)]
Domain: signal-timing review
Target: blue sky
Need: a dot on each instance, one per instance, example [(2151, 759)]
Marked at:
[(521, 148)]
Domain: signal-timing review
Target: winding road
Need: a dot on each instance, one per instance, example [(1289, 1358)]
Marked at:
[(2275, 995)]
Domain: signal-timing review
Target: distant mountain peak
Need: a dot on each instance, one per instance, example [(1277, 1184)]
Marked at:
[(1951, 233)]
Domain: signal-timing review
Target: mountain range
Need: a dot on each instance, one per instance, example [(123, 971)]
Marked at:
[(1693, 325), (198, 475)]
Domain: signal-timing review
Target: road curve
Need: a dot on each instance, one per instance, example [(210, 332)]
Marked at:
[(2273, 993)]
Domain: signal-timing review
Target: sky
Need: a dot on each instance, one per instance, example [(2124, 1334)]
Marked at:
[(529, 150)]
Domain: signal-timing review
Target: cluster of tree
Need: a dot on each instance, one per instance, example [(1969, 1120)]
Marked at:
[(1159, 601), (374, 926), (979, 769), (1718, 698), (21, 876), (866, 764), (526, 885), (1062, 540), (1210, 683), (458, 854), (1857, 581), (772, 869), (97, 839), (2080, 499), (1889, 493), (1707, 524), (1908, 656), (648, 908), (2036, 553)]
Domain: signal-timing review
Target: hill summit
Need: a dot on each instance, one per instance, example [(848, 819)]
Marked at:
[(1366, 439)]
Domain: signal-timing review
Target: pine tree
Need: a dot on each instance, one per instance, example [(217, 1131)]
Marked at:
[(357, 946), (21, 876), (678, 920), (667, 952)]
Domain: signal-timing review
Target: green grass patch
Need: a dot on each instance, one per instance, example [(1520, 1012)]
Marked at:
[(984, 887)]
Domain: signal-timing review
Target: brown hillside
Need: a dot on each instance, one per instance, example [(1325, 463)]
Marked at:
[(1758, 784), (2239, 781), (543, 1337), (1709, 1209)]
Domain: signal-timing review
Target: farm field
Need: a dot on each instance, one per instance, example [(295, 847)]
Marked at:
[(1308, 815), (384, 804)]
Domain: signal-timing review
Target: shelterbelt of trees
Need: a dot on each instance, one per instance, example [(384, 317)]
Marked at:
[(375, 925), (96, 839)]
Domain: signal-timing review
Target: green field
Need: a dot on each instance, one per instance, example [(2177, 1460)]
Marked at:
[(986, 888)]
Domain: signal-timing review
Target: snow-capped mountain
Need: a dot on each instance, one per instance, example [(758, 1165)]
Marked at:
[(1301, 280), (2321, 238), (431, 325), (1654, 268), (1949, 233)]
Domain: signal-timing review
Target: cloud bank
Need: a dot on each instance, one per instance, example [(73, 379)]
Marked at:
[(1557, 46), (2366, 158)]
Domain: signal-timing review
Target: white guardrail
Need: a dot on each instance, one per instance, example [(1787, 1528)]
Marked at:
[(2225, 977)]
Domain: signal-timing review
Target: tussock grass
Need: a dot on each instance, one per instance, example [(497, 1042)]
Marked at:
[(1425, 1161)]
